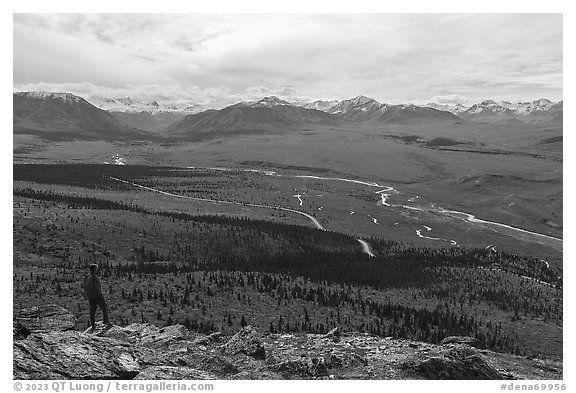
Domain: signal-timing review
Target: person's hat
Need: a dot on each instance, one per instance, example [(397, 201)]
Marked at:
[(93, 267)]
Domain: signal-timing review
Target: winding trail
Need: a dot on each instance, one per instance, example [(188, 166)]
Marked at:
[(314, 221), (365, 246), (370, 184)]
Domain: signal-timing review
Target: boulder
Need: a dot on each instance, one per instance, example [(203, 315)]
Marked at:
[(459, 362), (246, 341), (45, 318), (165, 337), (144, 334), (200, 360), (171, 372)]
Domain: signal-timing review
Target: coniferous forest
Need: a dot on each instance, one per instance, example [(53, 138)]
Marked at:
[(217, 272)]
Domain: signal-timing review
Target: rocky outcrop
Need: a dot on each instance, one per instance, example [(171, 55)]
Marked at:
[(246, 341), (75, 355), (459, 362), (45, 319), (145, 334), (306, 368), (172, 372), (145, 351)]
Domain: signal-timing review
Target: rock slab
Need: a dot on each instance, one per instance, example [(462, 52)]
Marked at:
[(246, 341)]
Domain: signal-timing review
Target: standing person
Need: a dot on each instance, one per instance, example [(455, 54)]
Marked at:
[(93, 292)]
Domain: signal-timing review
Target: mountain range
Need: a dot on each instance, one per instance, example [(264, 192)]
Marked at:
[(126, 104), (148, 116), (65, 116), (266, 114), (541, 109)]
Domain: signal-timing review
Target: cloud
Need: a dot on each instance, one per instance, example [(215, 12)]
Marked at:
[(387, 56)]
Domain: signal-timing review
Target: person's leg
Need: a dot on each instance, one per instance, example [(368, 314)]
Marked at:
[(93, 306), (104, 308)]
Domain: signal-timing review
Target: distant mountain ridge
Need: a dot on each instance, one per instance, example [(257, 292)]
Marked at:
[(366, 109), (362, 108), (68, 117), (324, 106), (537, 110), (126, 104), (452, 108), (268, 114), (266, 102), (353, 107)]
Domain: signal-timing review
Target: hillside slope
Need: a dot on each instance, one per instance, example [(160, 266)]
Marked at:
[(45, 346), (153, 122), (64, 116), (268, 114)]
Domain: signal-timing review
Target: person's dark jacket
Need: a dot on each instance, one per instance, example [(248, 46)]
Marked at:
[(92, 286)]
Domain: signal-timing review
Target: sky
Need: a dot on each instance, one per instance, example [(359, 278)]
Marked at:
[(220, 59)]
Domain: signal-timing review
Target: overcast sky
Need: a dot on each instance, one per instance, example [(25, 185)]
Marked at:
[(216, 60)]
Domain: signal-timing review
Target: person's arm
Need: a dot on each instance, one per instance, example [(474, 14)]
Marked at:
[(97, 286)]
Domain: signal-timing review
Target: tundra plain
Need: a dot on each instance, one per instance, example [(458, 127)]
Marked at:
[(405, 190)]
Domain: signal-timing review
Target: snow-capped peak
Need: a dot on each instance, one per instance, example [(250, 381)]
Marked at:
[(126, 104), (488, 103), (268, 102), (453, 108), (125, 101), (505, 107), (541, 104), (44, 95), (359, 103), (321, 105), (362, 100)]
